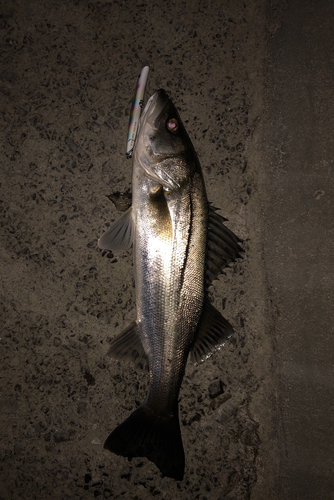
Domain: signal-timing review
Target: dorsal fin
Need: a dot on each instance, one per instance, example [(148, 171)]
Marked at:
[(222, 246)]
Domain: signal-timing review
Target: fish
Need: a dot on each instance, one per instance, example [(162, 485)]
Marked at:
[(180, 246)]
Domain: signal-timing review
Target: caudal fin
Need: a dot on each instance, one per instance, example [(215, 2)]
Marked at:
[(145, 434)]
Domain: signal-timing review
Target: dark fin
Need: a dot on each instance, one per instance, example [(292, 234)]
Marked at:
[(127, 345), (145, 434), (119, 237), (222, 246), (213, 332)]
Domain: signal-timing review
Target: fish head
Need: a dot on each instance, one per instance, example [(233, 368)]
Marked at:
[(163, 148)]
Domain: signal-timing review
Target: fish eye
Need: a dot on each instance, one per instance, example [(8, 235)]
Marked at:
[(172, 125)]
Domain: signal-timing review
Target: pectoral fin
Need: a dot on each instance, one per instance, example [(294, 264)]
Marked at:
[(128, 346), (213, 332), (119, 236)]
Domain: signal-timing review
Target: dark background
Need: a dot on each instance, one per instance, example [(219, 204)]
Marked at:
[(253, 82)]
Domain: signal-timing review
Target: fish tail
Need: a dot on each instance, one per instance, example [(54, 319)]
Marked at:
[(146, 434)]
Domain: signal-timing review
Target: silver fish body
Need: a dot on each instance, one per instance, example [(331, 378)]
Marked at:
[(170, 243), (180, 245)]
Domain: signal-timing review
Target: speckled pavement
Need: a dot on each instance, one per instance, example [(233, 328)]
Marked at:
[(68, 73)]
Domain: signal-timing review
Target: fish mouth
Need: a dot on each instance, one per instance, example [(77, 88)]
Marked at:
[(148, 127), (153, 109)]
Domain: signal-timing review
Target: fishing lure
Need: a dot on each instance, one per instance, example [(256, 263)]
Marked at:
[(136, 108)]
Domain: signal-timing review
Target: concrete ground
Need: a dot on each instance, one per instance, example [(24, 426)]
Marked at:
[(253, 84)]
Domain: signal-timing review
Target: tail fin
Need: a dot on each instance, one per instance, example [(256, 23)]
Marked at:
[(145, 434)]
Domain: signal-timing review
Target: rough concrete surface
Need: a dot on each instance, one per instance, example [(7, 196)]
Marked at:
[(298, 146), (252, 82)]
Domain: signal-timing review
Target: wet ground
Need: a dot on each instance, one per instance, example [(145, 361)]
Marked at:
[(253, 84)]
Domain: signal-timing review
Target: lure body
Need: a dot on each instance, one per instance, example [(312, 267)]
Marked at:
[(136, 108)]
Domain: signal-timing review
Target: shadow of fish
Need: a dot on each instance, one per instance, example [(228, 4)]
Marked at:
[(180, 245)]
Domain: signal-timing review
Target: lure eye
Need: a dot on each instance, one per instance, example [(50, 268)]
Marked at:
[(172, 125)]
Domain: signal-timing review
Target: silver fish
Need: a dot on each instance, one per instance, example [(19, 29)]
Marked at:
[(180, 245)]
